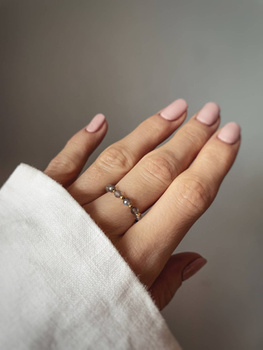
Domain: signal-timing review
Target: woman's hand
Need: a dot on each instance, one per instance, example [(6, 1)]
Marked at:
[(178, 180)]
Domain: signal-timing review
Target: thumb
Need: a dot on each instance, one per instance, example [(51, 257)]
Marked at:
[(179, 268)]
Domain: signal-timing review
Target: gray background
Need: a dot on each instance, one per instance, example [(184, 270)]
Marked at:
[(61, 62)]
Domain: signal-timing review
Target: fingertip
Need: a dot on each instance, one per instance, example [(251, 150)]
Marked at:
[(214, 105), (209, 114), (174, 110), (183, 103), (178, 268), (96, 123), (192, 268), (230, 133)]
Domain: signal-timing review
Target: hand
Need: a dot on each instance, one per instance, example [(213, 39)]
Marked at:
[(179, 180)]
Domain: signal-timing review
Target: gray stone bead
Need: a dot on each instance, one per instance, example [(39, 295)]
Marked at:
[(134, 210), (117, 194), (110, 188), (126, 201)]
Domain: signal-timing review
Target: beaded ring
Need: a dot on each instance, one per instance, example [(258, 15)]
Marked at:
[(126, 201)]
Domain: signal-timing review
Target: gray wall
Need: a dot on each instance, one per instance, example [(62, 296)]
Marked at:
[(63, 61)]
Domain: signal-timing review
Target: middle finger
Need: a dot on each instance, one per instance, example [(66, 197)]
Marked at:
[(119, 158), (153, 174)]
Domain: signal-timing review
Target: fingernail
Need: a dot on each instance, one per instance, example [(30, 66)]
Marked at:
[(209, 113), (96, 123), (193, 267), (230, 133), (174, 110)]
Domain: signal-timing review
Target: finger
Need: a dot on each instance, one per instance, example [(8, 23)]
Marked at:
[(152, 240), (149, 179), (179, 268), (67, 165), (120, 157)]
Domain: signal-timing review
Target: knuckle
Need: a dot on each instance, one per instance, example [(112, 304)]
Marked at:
[(159, 167), (115, 157), (194, 196), (63, 163)]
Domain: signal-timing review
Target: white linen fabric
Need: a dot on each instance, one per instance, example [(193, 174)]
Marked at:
[(63, 285)]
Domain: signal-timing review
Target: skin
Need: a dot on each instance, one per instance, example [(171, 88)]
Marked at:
[(178, 180)]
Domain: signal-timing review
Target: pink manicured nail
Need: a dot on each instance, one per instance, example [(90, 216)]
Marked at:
[(209, 113), (96, 123), (192, 268), (230, 133), (174, 110)]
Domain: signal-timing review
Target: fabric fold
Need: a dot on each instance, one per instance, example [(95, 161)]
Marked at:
[(63, 283)]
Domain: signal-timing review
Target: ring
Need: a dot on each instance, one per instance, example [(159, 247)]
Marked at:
[(125, 200)]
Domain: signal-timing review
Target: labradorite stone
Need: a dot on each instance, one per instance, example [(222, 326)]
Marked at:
[(126, 201), (134, 210), (110, 188), (117, 194)]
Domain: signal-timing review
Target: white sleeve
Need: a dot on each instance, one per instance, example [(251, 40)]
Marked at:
[(63, 285)]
